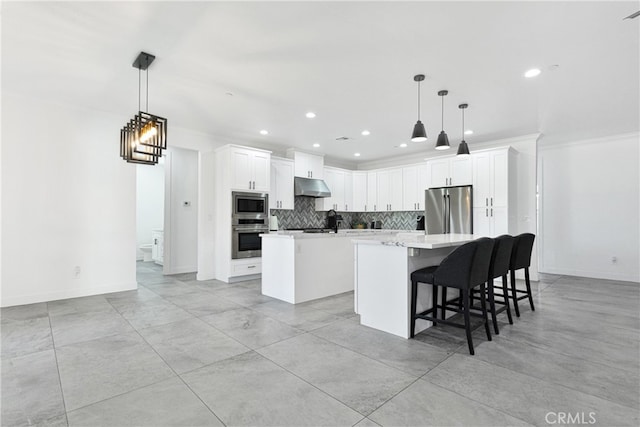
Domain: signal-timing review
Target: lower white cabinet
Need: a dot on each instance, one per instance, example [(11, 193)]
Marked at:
[(245, 267)]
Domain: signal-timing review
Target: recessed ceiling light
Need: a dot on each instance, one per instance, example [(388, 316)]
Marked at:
[(316, 145), (468, 132), (264, 132), (366, 133), (356, 154), (532, 73), (310, 115), (403, 145)]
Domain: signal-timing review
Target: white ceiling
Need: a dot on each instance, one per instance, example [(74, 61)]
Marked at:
[(352, 63)]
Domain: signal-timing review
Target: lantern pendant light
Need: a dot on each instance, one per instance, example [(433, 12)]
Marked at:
[(419, 134), (443, 139), (463, 148)]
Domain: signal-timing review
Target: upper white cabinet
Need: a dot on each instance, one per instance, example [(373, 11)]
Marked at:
[(449, 171), (250, 169), (494, 197), (372, 192), (281, 194), (307, 165), (414, 183), (389, 190), (340, 183), (360, 192)]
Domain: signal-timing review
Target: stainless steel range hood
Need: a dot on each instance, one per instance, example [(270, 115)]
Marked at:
[(310, 187)]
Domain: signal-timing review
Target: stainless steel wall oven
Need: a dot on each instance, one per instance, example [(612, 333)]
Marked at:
[(249, 219)]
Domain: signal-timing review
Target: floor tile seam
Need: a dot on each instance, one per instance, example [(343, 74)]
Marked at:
[(573, 356), (564, 385), (544, 381), (377, 360), (326, 393), (285, 323), (241, 343), (609, 325), (502, 411), (55, 355), (176, 374)]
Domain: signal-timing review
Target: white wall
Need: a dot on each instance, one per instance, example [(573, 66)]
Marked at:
[(181, 222), (206, 212), (68, 201), (149, 203), (589, 201)]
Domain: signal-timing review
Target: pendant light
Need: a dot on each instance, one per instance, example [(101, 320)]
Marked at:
[(419, 134), (463, 148), (144, 137), (443, 139)]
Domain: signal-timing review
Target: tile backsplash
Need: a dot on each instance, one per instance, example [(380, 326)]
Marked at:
[(304, 215)]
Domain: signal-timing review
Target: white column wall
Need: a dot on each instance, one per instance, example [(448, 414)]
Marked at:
[(590, 208)]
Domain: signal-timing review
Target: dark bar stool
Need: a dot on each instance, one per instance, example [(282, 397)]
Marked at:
[(499, 267), (465, 268), (521, 258)]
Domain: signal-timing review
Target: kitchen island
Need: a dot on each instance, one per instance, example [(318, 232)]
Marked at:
[(299, 267), (382, 277)]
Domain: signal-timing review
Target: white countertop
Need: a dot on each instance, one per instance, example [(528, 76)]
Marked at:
[(417, 240), (298, 234)]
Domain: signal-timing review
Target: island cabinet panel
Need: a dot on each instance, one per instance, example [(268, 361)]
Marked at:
[(494, 198), (281, 194), (250, 169), (359, 192), (449, 171)]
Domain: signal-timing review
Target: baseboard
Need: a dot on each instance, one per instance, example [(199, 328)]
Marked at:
[(592, 274), (67, 293), (237, 279)]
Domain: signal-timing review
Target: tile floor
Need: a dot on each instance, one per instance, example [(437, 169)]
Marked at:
[(178, 352)]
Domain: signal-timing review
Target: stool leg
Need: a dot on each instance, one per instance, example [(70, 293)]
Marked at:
[(514, 293), (492, 306), (435, 305), (467, 320), (414, 301), (444, 303), (506, 298), (526, 279), (483, 304)]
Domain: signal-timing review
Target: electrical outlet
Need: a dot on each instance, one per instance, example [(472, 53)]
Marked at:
[(614, 259)]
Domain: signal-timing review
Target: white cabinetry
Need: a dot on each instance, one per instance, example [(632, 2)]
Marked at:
[(414, 183), (250, 169), (340, 183), (243, 169), (281, 194), (360, 192), (157, 248), (372, 192), (449, 171), (389, 190), (307, 165), (494, 198)]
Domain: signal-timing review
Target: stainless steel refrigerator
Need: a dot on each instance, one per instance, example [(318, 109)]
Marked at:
[(449, 210)]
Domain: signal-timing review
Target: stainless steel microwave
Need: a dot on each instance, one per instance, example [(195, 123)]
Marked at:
[(250, 205)]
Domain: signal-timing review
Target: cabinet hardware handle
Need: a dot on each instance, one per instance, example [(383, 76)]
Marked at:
[(418, 205), (249, 185), (374, 207), (155, 241), (491, 211), (492, 201), (486, 213), (311, 174), (346, 207), (486, 201), (251, 266)]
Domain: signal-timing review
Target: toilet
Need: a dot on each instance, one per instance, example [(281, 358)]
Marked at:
[(146, 252)]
